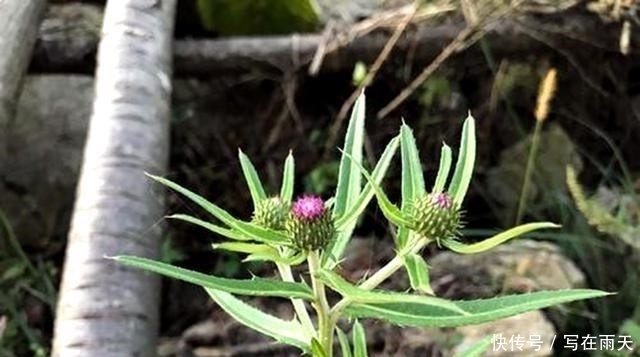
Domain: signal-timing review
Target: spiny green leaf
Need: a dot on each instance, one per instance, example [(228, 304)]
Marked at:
[(287, 332), (293, 260), (390, 211), (496, 240), (479, 311), (242, 247), (348, 220), (252, 178), (288, 178), (359, 340), (443, 170), (344, 343), (210, 226), (466, 159), (412, 179), (253, 287), (252, 231), (368, 192), (418, 272), (349, 178)]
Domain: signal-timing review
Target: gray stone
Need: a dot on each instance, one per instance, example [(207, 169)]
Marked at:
[(555, 152), (42, 154), (525, 335)]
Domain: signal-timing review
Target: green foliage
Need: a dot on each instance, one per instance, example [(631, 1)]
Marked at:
[(362, 300), (21, 280), (258, 17), (619, 224)]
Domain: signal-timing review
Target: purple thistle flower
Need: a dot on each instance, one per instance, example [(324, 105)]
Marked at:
[(442, 200), (308, 207)]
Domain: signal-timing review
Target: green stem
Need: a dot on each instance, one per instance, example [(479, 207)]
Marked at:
[(533, 152), (414, 245), (298, 305), (325, 325)]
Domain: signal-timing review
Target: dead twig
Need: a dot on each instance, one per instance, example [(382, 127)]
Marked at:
[(375, 67), (469, 35)]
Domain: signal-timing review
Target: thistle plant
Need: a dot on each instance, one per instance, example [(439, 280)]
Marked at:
[(309, 230)]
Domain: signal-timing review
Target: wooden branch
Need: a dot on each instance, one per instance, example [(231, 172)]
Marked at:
[(105, 309), (20, 20), (201, 57)]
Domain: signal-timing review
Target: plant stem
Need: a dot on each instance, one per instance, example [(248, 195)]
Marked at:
[(533, 152), (325, 325), (414, 245), (298, 305)]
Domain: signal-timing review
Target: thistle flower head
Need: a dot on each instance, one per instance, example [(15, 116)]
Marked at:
[(308, 207), (271, 213), (310, 225), (435, 216), (442, 200)]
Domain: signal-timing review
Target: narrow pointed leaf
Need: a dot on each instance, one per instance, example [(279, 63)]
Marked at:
[(412, 184), (496, 240), (359, 340), (247, 248), (287, 332), (276, 258), (348, 188), (418, 272), (252, 178), (412, 179), (261, 234), (288, 178), (349, 177), (390, 211), (368, 192), (252, 231), (477, 349), (210, 226), (346, 223), (344, 343), (253, 287), (358, 295), (443, 169), (479, 311), (466, 159)]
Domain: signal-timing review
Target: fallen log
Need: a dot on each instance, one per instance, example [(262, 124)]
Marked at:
[(516, 36)]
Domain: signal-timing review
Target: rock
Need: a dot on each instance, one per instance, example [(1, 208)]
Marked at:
[(520, 266), (525, 335), (67, 33), (516, 267), (42, 155), (555, 152)]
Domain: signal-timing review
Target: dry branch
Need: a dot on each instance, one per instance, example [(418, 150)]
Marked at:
[(203, 57)]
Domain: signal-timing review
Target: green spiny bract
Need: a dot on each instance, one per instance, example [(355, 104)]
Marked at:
[(271, 213), (434, 216), (310, 225)]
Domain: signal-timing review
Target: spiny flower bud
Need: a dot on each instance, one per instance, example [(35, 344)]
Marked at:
[(271, 213), (310, 225), (435, 216)]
